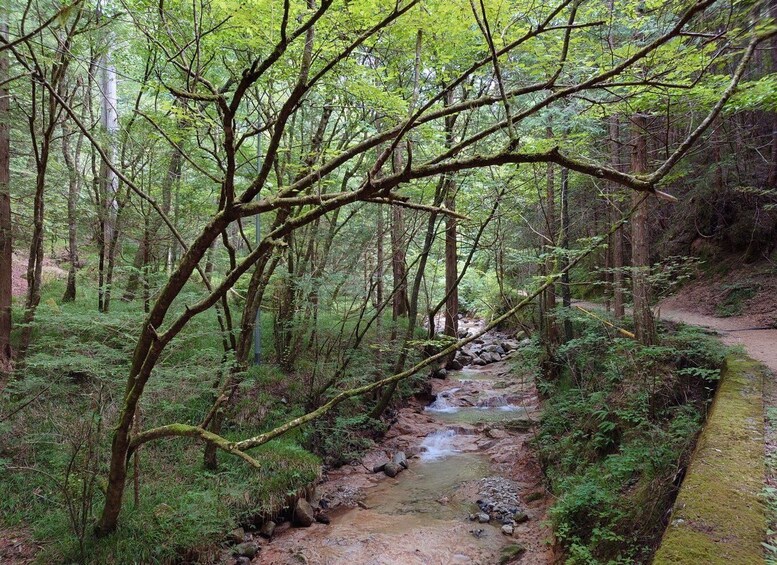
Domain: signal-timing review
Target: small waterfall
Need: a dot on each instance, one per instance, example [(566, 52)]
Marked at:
[(499, 402), (442, 403), (438, 445)]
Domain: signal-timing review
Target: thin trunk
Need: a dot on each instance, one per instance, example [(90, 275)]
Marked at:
[(451, 263), (566, 294), (398, 264), (6, 249), (108, 180), (617, 238), (640, 240), (74, 189)]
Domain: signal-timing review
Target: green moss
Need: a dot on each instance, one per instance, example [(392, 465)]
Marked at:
[(511, 552), (718, 516)]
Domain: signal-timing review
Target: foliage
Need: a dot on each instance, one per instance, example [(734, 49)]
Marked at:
[(616, 433)]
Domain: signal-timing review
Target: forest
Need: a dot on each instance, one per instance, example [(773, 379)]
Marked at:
[(399, 281)]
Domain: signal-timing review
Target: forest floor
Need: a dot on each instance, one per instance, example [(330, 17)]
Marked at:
[(469, 445)]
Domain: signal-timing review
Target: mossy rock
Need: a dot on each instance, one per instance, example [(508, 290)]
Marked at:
[(510, 552), (718, 517)]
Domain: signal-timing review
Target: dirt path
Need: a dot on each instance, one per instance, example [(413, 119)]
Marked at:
[(759, 342), (468, 446)]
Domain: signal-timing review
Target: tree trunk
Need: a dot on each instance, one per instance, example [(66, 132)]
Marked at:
[(617, 238), (71, 161), (566, 294), (398, 265), (640, 240), (451, 263), (6, 249), (108, 181)]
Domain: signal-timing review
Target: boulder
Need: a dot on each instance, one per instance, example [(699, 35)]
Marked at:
[(392, 469), (440, 373), (520, 517), (500, 350), (322, 518), (248, 549), (377, 468), (507, 530), (400, 459), (479, 361), (238, 535), (484, 518), (303, 514), (454, 365), (524, 342), (268, 529)]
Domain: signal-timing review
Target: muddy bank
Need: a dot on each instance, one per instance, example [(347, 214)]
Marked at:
[(472, 493)]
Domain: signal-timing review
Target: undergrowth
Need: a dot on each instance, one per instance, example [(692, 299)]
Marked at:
[(617, 431)]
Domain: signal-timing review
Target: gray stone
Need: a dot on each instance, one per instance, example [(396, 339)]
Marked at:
[(392, 469), (268, 529), (247, 549), (303, 514), (520, 517), (507, 530), (400, 459), (377, 468), (483, 518), (525, 342), (479, 362), (454, 365), (440, 374)]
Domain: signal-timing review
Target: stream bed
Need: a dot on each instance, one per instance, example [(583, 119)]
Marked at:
[(472, 487)]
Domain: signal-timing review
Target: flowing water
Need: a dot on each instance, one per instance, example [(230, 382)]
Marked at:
[(423, 515)]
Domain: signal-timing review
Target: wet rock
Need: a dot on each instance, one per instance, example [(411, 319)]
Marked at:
[(242, 560), (268, 529), (323, 519), (484, 518), (400, 459), (303, 514), (462, 333), (454, 365), (496, 433), (440, 374), (238, 535), (500, 350), (520, 517), (378, 467), (392, 469), (463, 358), (518, 424), (478, 361), (507, 530), (248, 549)]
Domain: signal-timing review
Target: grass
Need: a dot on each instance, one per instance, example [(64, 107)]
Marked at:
[(54, 450)]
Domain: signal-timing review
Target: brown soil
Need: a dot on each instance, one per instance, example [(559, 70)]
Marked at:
[(50, 271), (16, 547)]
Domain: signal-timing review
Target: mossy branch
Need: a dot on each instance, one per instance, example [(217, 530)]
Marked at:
[(185, 430)]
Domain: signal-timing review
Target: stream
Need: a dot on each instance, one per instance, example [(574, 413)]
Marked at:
[(465, 447)]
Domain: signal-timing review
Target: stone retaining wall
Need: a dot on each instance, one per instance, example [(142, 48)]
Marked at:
[(719, 517)]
